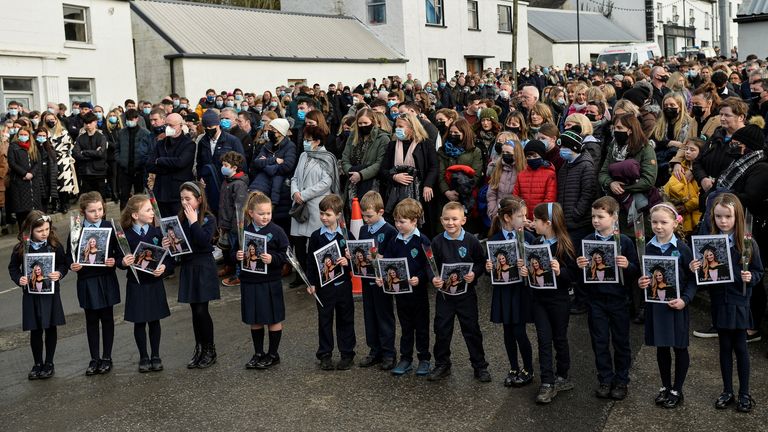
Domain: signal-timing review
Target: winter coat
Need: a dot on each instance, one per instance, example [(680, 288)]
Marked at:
[(536, 186), (171, 162), (4, 171), (125, 152), (90, 152), (472, 159), (576, 189), (63, 146), (713, 158), (233, 190), (24, 195), (271, 178), (50, 172), (646, 158), (316, 176), (684, 194), (752, 188), (506, 186), (370, 164), (647, 117), (226, 143)]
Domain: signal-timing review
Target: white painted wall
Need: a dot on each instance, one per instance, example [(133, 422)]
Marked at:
[(545, 53), (153, 70), (540, 49), (752, 39), (34, 46)]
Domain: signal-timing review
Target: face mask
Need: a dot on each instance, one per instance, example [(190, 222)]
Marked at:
[(210, 133), (238, 97), (13, 131), (225, 124), (230, 104), (159, 130), (51, 110), (591, 117), (13, 112), (355, 100), (226, 171), (35, 122), (497, 148), (567, 154), (670, 113), (307, 145), (453, 150), (535, 163), (23, 138), (100, 116), (258, 108), (400, 134), (273, 104), (514, 130), (183, 106), (130, 123), (561, 101), (282, 93), (364, 130), (210, 99), (508, 159), (40, 139), (733, 149), (393, 115), (441, 127), (50, 123), (112, 119), (442, 85), (243, 108), (504, 94), (662, 79), (76, 111), (219, 104), (621, 138), (428, 89), (170, 131), (391, 103), (367, 96), (176, 102), (146, 111), (272, 136), (301, 115)]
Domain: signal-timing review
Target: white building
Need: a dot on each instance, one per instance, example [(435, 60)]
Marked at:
[(187, 48), (753, 28), (437, 36), (553, 39), (673, 24), (60, 51)]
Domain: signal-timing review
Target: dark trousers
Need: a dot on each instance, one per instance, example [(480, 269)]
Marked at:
[(734, 341), (379, 319), (413, 314), (169, 208), (579, 293), (465, 308), (336, 299), (551, 317), (90, 184), (515, 336), (129, 181), (609, 325), (682, 362)]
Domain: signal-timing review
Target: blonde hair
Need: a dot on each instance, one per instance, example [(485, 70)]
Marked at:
[(582, 121), (627, 107), (372, 200), (660, 130), (382, 122), (134, 205), (419, 134), (254, 199), (520, 161)]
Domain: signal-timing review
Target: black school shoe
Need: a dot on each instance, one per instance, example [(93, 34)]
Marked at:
[(387, 364), (746, 403), (195, 357), (603, 391), (93, 368), (345, 363), (145, 365), (619, 391), (524, 377), (483, 375), (662, 396), (674, 399), (640, 317), (439, 372), (35, 372), (510, 379), (105, 366), (254, 361), (156, 364), (326, 364), (369, 361), (724, 400), (47, 371), (268, 361)]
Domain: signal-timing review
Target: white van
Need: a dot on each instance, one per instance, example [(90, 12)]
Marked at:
[(630, 54)]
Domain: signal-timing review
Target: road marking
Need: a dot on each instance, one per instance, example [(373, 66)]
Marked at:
[(9, 290)]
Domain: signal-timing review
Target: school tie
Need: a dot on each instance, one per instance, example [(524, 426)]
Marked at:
[(141, 231), (510, 236)]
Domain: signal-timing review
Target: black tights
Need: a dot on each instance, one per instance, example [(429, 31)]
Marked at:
[(682, 361), (515, 337), (734, 340), (140, 334), (202, 323), (36, 342), (93, 317)]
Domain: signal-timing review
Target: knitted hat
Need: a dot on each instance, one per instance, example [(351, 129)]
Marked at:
[(536, 146), (636, 95), (192, 117), (751, 136), (86, 105), (489, 113), (571, 140), (210, 118), (281, 125)]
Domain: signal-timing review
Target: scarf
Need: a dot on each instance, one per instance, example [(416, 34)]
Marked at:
[(451, 150), (408, 159), (737, 168), (619, 154), (359, 150), (24, 145)]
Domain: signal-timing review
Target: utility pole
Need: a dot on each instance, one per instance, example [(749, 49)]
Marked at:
[(722, 6), (514, 45), (578, 30)]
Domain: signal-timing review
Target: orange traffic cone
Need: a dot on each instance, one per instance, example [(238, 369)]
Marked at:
[(355, 223)]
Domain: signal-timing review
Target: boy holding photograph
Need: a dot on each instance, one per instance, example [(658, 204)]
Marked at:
[(412, 308), (377, 306), (234, 191), (455, 245), (336, 296), (608, 307)]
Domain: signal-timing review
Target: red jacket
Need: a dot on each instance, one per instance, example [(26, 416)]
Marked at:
[(536, 187)]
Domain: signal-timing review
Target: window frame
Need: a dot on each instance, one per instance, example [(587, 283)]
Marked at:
[(85, 23), (80, 96), (706, 20), (439, 6), (437, 63), (27, 97), (375, 4), (473, 14), (508, 8), (660, 12)]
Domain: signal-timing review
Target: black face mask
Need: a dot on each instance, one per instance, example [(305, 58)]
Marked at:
[(159, 130), (515, 130), (51, 123), (497, 148), (455, 138), (365, 130), (210, 133), (670, 113), (621, 138), (734, 150), (508, 159), (591, 117), (441, 127), (662, 79), (272, 136), (697, 111)]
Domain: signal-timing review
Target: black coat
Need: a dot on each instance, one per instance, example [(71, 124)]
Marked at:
[(425, 158), (576, 188), (50, 172), (171, 162), (751, 188), (90, 154), (24, 195)]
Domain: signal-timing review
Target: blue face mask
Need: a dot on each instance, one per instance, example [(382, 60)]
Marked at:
[(100, 116), (210, 99), (23, 138), (261, 124), (183, 106), (393, 115), (307, 145), (282, 93), (130, 123), (567, 154), (238, 97), (146, 111), (219, 103), (112, 119), (391, 103), (230, 104), (301, 115), (400, 134), (40, 139), (226, 171), (225, 124), (13, 112), (442, 85)]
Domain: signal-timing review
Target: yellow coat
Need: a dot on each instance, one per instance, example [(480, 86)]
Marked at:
[(684, 195)]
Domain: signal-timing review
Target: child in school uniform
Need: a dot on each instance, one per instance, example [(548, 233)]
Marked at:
[(261, 295), (666, 325), (608, 306), (234, 192), (336, 296), (145, 300), (511, 303), (378, 313), (198, 280), (455, 245), (413, 307), (550, 307), (41, 313), (731, 313), (98, 290)]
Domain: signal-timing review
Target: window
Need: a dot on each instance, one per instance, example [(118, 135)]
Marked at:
[(436, 68), (706, 20), (473, 23), (505, 19), (16, 89), (659, 15), (377, 11), (80, 90), (704, 44), (691, 21), (505, 66), (674, 13), (435, 9), (76, 24)]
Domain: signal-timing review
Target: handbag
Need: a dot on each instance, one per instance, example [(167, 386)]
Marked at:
[(300, 212)]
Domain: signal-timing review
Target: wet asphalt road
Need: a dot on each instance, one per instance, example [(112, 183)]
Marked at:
[(296, 395)]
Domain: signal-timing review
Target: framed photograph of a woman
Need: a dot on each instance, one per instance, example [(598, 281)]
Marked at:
[(147, 257), (453, 278), (602, 266), (254, 245), (713, 253), (663, 272), (395, 273), (362, 264), (37, 267), (538, 259), (503, 255), (173, 232), (325, 260), (94, 246)]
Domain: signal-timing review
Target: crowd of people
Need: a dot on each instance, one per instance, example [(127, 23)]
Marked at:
[(553, 154)]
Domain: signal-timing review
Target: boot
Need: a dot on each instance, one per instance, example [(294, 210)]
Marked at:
[(195, 358), (208, 356), (226, 270)]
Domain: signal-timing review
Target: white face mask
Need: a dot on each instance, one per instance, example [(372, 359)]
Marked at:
[(169, 131)]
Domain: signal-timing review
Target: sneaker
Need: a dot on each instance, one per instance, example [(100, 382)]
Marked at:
[(387, 363), (603, 391), (523, 378), (144, 365), (231, 281), (547, 392), (483, 375), (345, 363), (326, 364), (439, 372), (662, 396), (674, 399), (746, 403), (156, 364), (754, 337), (710, 332), (35, 372), (369, 361), (402, 368), (509, 381), (619, 391), (423, 368), (563, 384)]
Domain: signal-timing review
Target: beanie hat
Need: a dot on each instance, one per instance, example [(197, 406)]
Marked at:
[(751, 136), (536, 146), (86, 105), (281, 125), (192, 117), (489, 113), (571, 140), (210, 118), (636, 95)]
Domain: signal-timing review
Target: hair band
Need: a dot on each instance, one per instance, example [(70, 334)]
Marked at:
[(549, 210), (192, 186), (678, 218)]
